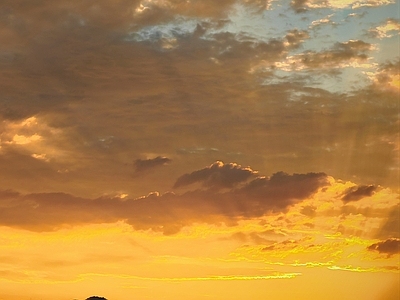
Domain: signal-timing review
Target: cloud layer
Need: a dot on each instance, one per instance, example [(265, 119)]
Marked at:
[(168, 212), (86, 87)]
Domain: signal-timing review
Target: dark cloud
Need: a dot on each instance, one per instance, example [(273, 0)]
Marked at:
[(340, 52), (142, 165), (286, 245), (115, 15), (287, 189), (299, 6), (207, 8), (168, 212), (296, 37), (218, 175), (73, 63), (309, 211), (258, 238), (355, 193), (240, 236), (389, 246), (386, 73)]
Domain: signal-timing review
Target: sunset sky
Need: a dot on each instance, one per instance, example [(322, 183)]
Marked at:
[(199, 149)]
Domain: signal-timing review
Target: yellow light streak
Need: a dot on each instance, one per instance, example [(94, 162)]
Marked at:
[(207, 278)]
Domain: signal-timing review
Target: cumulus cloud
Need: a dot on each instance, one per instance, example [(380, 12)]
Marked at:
[(169, 212), (142, 165), (218, 175), (358, 192), (389, 246)]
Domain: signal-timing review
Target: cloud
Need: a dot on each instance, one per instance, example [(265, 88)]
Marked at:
[(218, 175), (340, 55), (285, 188), (301, 6), (388, 29), (387, 76), (318, 23), (152, 10), (370, 3), (389, 247), (390, 228), (142, 165), (169, 212), (358, 192), (71, 64), (286, 244), (296, 37), (309, 211)]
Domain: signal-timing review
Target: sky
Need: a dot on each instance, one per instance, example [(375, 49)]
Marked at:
[(199, 149)]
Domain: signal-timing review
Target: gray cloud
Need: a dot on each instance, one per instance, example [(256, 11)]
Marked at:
[(296, 37), (142, 165), (73, 66), (167, 213), (358, 192), (387, 71), (218, 175), (287, 244), (309, 211), (299, 6), (389, 247), (284, 187), (340, 52)]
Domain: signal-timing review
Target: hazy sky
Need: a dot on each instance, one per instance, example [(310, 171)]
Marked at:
[(199, 149)]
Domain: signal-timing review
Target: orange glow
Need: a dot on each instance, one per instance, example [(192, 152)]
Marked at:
[(205, 149)]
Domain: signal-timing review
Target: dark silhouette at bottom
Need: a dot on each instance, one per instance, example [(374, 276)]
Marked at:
[(96, 298)]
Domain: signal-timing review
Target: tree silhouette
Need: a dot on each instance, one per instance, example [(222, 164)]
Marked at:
[(96, 298)]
